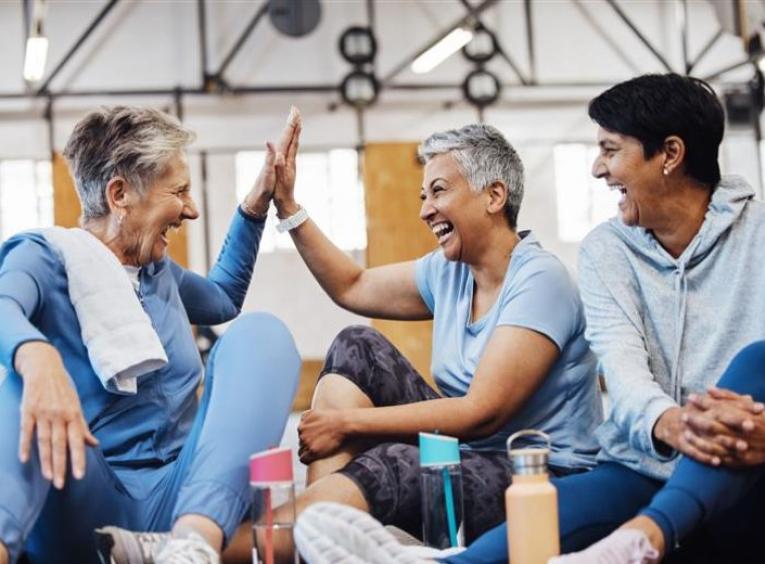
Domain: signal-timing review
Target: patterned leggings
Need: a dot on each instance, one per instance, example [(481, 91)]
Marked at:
[(388, 474)]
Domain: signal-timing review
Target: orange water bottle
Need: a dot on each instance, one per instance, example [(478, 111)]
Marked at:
[(531, 503)]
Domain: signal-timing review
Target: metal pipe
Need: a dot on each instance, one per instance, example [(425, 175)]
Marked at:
[(101, 15), (597, 28), (715, 75), (242, 38), (398, 69), (27, 20), (640, 36), (202, 26), (682, 13), (704, 50), (530, 41), (205, 206)]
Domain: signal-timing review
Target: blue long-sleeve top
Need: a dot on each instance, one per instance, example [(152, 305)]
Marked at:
[(147, 428)]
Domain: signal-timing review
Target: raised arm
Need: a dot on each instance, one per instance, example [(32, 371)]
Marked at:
[(386, 292), (514, 364), (219, 296)]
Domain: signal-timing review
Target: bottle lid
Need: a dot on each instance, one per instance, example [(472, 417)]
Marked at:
[(438, 450), (530, 459), (271, 466)]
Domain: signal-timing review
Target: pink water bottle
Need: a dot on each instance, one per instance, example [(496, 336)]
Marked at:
[(272, 489)]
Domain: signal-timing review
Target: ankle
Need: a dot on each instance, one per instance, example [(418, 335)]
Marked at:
[(650, 529)]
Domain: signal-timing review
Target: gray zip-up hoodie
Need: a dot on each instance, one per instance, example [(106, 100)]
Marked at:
[(662, 327)]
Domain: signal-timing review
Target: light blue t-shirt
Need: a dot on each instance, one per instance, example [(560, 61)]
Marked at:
[(537, 294)]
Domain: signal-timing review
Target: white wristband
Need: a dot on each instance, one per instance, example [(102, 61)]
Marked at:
[(293, 221)]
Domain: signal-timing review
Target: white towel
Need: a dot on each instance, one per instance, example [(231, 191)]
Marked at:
[(121, 341)]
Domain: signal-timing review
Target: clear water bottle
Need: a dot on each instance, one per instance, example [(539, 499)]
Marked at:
[(272, 489), (441, 483), (531, 503)]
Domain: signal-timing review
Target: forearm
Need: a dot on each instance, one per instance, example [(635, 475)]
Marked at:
[(333, 269), (16, 332), (457, 417)]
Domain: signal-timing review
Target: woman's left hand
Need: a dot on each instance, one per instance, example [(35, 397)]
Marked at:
[(321, 433), (729, 420)]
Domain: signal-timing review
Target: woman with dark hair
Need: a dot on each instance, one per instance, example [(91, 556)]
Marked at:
[(684, 445)]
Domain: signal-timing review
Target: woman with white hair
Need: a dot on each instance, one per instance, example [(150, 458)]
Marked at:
[(508, 344), (101, 422)]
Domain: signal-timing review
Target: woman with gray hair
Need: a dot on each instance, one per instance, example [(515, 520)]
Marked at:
[(100, 402), (508, 345)]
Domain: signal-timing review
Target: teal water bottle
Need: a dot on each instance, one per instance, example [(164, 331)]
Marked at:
[(441, 483)]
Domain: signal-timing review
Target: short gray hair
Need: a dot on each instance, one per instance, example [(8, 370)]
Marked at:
[(484, 156), (132, 142)]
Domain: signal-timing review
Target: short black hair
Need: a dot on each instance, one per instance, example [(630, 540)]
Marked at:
[(653, 107)]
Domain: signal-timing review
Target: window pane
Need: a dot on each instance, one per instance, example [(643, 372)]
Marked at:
[(583, 200), (26, 196)]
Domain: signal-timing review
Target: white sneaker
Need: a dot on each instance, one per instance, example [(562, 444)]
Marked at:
[(120, 546), (331, 533), (623, 546), (191, 549)]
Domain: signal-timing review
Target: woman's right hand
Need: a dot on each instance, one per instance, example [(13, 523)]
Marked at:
[(50, 406), (286, 168)]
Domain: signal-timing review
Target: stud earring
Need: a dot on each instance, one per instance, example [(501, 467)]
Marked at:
[(666, 171)]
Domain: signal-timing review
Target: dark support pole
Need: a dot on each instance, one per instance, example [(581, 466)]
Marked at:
[(372, 23), (26, 9), (530, 41), (398, 69), (684, 34), (202, 26), (360, 129), (178, 100), (101, 15), (205, 206), (49, 122), (242, 38), (640, 36), (704, 50)]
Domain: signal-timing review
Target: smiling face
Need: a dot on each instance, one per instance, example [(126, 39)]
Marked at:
[(451, 208), (622, 164), (148, 218)]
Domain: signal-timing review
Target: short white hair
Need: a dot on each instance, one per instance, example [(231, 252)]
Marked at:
[(484, 157), (132, 142)]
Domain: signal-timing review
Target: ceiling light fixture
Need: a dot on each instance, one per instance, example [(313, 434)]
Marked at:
[(34, 58), (36, 51), (442, 50)]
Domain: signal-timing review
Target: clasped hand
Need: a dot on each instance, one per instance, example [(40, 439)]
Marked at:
[(720, 428)]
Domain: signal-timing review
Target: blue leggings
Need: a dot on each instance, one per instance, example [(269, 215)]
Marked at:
[(720, 508), (251, 378)]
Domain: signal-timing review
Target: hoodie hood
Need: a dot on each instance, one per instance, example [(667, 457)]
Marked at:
[(728, 201)]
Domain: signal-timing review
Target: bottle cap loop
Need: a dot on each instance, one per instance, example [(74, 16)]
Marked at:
[(530, 459)]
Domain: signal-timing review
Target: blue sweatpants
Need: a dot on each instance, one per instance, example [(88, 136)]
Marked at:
[(721, 508), (250, 381)]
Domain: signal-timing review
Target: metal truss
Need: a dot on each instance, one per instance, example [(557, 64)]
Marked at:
[(215, 82)]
